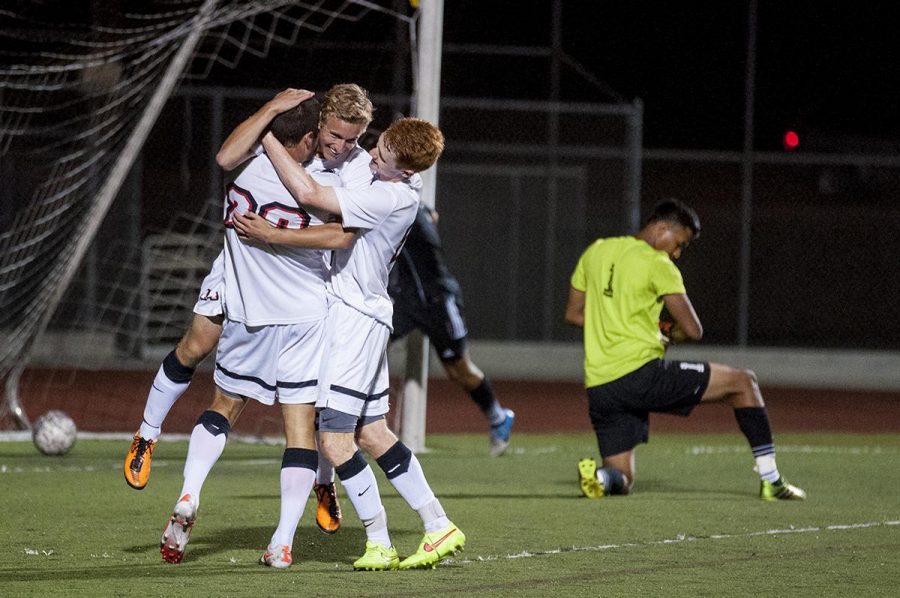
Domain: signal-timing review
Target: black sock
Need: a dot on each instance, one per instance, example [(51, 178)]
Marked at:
[(754, 423), (483, 395)]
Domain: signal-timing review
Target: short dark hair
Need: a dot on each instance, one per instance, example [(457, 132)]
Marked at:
[(675, 210), (291, 126)]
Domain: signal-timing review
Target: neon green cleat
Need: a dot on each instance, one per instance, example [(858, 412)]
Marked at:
[(435, 547), (587, 478), (378, 557), (780, 490)]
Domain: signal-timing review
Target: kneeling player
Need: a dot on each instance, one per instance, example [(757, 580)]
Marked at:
[(619, 288)]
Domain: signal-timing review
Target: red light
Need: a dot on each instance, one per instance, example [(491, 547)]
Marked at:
[(791, 140)]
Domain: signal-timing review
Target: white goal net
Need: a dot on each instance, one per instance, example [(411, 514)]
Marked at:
[(82, 85)]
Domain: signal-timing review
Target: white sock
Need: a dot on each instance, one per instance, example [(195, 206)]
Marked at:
[(160, 399), (603, 478), (376, 529), (296, 482), (148, 432), (362, 490), (433, 516), (414, 489), (765, 466), (204, 450)]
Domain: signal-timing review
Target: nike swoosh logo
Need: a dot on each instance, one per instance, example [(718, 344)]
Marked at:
[(392, 469), (364, 491), (430, 547)]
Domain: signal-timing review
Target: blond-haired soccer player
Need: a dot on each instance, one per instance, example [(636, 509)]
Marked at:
[(617, 293), (353, 400), (346, 112)]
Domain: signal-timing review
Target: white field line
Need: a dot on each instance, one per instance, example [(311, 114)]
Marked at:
[(867, 451), (18, 436), (679, 539)]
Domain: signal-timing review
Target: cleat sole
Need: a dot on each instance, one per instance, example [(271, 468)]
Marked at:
[(587, 479)]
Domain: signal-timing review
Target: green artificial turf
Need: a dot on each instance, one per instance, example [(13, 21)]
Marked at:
[(693, 526)]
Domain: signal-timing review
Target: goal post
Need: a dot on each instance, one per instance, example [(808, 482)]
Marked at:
[(427, 89)]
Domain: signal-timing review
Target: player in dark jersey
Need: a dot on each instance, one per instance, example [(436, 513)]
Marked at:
[(428, 297)]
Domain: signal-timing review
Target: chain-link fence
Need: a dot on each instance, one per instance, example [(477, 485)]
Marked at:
[(524, 187), (819, 251), (822, 244)]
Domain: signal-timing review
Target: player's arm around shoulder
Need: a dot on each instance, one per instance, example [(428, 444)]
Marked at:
[(303, 187)]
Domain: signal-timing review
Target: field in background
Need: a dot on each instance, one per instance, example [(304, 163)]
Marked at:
[(694, 526)]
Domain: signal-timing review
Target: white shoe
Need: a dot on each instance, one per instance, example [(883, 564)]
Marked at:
[(178, 531), (277, 556)]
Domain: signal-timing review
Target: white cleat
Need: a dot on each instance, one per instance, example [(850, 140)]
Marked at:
[(178, 530), (277, 556)]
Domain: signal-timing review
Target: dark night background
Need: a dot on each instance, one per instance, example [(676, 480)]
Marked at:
[(828, 70)]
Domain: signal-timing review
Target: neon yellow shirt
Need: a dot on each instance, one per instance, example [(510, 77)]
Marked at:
[(624, 280)]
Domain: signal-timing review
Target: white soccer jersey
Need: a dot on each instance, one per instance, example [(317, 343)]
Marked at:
[(271, 284), (384, 213), (354, 171)]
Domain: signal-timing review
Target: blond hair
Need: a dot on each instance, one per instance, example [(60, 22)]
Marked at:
[(416, 143), (348, 102)]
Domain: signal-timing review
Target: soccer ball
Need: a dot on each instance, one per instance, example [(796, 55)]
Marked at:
[(54, 433)]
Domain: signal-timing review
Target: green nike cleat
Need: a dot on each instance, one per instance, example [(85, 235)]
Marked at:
[(435, 547), (587, 478), (780, 490), (378, 557)]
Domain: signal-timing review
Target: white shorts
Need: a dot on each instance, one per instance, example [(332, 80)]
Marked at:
[(211, 301), (355, 372), (270, 363)]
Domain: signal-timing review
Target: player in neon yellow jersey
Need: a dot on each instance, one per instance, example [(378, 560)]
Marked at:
[(618, 290)]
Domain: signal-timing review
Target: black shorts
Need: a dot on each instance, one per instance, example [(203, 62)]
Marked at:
[(439, 319), (620, 409)]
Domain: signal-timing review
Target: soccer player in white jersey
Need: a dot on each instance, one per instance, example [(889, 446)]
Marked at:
[(353, 393), (271, 343), (345, 115)]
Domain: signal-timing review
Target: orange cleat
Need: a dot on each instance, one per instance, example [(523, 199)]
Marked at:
[(137, 462), (328, 512)]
